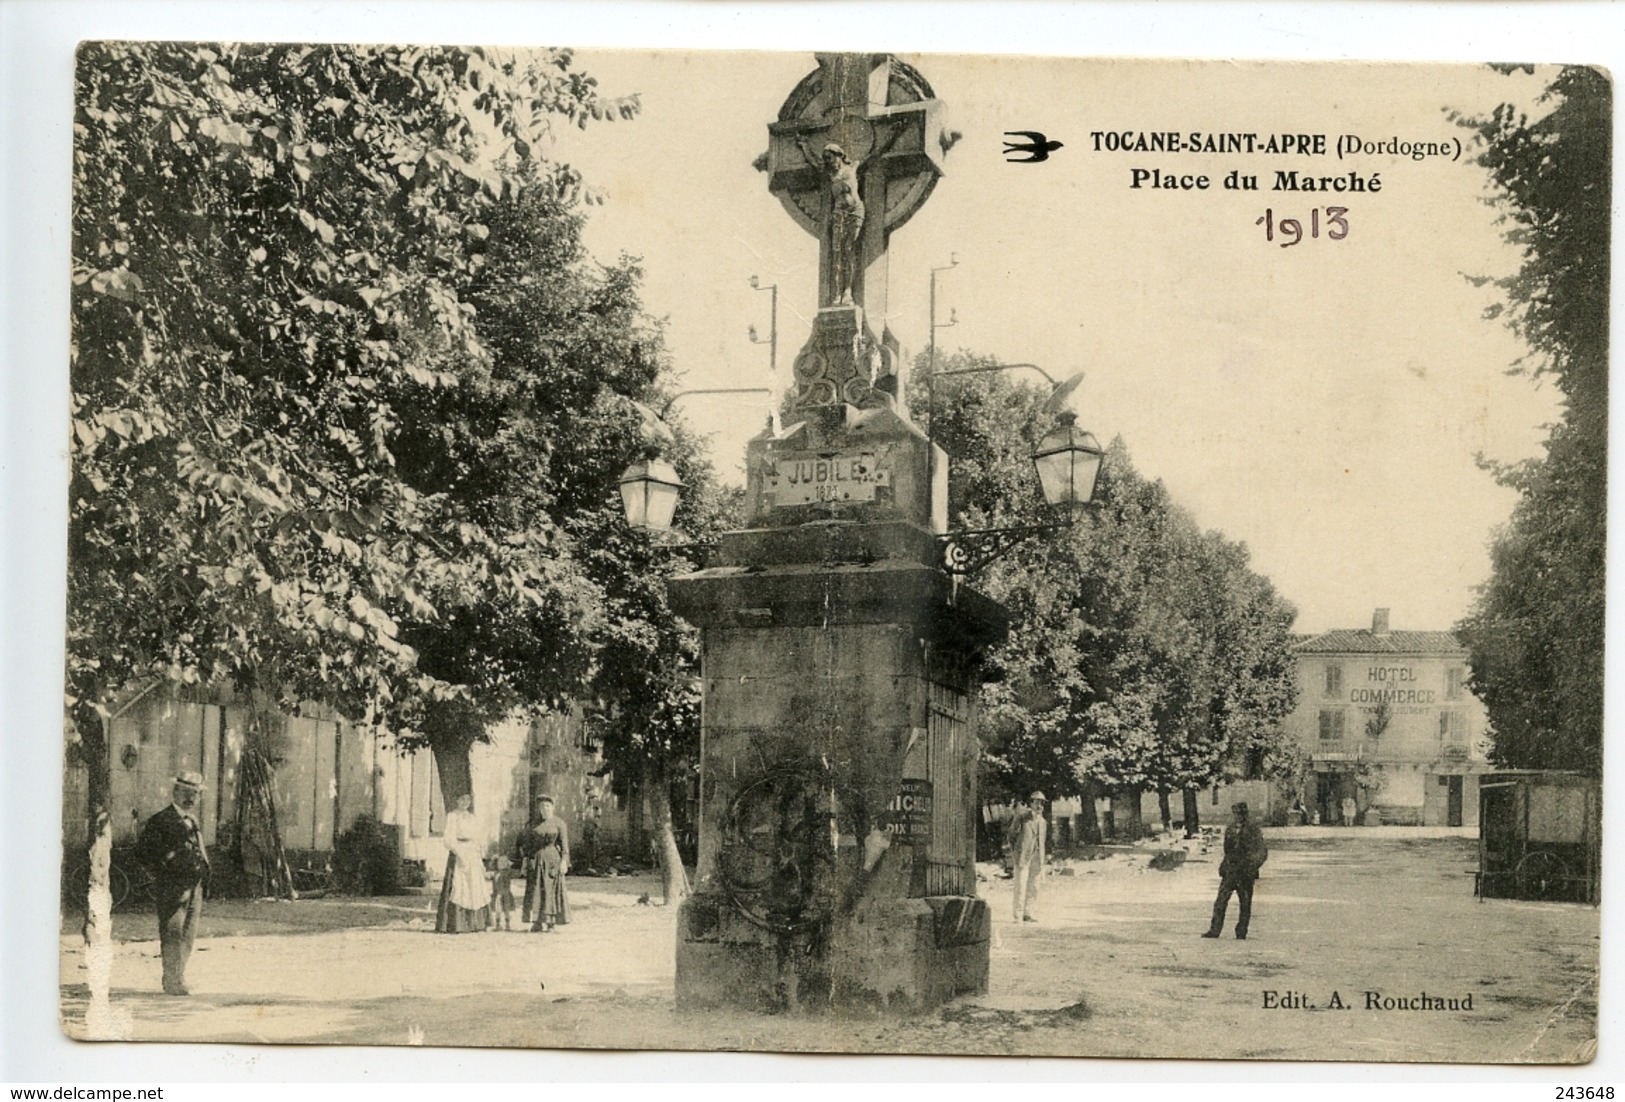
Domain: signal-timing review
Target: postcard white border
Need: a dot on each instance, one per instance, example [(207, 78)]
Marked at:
[(37, 38)]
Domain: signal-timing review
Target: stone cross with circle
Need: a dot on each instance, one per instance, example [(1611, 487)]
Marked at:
[(887, 122)]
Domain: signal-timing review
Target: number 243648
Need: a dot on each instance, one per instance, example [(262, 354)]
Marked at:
[(1581, 1094)]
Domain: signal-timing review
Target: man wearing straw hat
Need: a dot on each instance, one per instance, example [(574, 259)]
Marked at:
[(1026, 841), (171, 846)]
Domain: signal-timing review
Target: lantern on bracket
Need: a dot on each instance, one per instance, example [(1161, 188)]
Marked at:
[(649, 493), (650, 488), (1068, 462)]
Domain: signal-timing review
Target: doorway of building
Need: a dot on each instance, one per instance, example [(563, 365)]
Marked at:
[(1330, 788), (1453, 806)]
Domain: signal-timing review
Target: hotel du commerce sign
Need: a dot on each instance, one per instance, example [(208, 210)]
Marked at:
[(1394, 686)]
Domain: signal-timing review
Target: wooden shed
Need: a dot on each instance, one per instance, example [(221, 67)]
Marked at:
[(1540, 836)]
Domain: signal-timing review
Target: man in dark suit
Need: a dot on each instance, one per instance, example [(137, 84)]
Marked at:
[(1244, 854), (171, 846)]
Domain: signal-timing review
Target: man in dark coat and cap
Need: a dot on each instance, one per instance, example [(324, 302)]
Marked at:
[(171, 846), (1244, 854)]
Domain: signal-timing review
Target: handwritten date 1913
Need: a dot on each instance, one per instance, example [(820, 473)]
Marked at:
[(1291, 229)]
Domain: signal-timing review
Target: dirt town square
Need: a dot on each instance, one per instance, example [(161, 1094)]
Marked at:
[(1113, 966)]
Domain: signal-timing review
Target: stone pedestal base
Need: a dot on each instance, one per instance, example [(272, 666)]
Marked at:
[(901, 955), (838, 805)]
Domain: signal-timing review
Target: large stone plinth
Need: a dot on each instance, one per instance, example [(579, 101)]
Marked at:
[(838, 776), (902, 956)]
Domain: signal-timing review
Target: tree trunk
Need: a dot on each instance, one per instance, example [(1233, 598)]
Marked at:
[(98, 927), (1090, 835), (1193, 820), (1163, 810), (673, 879), (453, 728), (1136, 825)]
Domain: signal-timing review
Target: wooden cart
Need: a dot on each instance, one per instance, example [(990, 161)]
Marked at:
[(1539, 836)]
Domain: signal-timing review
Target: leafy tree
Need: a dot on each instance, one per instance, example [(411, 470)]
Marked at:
[(1257, 683), (529, 446), (579, 365), (1139, 731), (1144, 654), (646, 676), (276, 259), (1536, 634)]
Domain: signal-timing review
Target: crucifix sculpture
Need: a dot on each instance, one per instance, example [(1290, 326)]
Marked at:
[(837, 819), (856, 150)]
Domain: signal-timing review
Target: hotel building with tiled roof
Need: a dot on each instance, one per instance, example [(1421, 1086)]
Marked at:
[(1389, 723)]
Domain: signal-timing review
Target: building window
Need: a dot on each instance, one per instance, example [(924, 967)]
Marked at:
[(1453, 679), (1452, 727), (1331, 725), (1334, 679)]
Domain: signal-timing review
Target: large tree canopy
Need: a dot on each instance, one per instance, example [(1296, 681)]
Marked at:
[(301, 464), (349, 399), (1144, 653), (1536, 634), (304, 464)]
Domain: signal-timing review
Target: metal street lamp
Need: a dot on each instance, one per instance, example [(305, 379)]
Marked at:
[(1067, 461), (651, 488), (649, 493)]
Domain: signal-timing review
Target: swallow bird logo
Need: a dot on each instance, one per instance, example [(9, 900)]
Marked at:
[(1035, 146)]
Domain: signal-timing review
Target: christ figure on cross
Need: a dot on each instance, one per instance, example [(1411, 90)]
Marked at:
[(843, 227)]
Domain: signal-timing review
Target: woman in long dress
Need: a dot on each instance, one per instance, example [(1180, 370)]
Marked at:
[(545, 851), (465, 897)]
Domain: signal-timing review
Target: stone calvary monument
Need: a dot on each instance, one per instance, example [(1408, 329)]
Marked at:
[(840, 662)]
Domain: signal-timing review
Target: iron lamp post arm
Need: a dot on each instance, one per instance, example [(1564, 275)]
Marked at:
[(967, 552)]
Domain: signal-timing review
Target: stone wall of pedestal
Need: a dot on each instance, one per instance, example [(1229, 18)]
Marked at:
[(838, 770)]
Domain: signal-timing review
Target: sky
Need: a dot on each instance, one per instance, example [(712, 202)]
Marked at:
[(1323, 403)]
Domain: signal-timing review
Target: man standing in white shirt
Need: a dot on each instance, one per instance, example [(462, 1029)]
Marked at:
[(1026, 842)]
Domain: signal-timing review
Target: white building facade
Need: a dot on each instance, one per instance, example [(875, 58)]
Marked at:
[(1394, 734)]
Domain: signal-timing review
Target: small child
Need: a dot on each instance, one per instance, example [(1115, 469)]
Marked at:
[(502, 894)]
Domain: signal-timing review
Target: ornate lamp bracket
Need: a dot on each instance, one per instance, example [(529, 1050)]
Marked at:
[(967, 552)]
